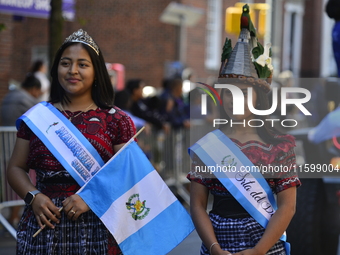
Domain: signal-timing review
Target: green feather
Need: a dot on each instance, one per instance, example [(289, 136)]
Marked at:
[(258, 50), (227, 49)]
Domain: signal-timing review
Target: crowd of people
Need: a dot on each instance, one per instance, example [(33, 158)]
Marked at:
[(165, 111), (169, 109)]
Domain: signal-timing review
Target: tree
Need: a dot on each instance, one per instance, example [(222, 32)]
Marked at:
[(2, 27), (56, 24)]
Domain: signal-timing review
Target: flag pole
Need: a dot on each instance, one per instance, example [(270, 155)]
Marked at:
[(41, 229), (119, 151)]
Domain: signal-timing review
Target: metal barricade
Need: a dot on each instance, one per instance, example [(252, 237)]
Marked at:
[(168, 154), (8, 198)]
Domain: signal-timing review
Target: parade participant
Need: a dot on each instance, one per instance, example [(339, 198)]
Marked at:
[(39, 70), (18, 101), (332, 9), (140, 109), (81, 90), (244, 218), (15, 103)]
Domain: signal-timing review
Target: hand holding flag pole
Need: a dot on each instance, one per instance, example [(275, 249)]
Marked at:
[(36, 233), (121, 149)]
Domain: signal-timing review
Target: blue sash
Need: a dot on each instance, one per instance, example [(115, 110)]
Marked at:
[(64, 140), (233, 170)]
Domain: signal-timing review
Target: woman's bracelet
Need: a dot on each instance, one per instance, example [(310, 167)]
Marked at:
[(212, 245)]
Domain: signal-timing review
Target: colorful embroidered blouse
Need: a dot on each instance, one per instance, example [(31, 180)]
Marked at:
[(104, 128)]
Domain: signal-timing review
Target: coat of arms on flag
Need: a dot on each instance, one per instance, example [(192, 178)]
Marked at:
[(137, 208)]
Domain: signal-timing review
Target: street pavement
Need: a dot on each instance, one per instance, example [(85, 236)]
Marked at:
[(7, 242), (190, 245)]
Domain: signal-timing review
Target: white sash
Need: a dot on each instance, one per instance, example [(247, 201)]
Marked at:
[(64, 140), (229, 165)]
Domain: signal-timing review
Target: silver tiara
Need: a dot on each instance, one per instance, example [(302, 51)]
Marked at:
[(83, 37)]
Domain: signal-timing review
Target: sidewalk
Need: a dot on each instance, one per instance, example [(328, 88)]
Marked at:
[(7, 242), (190, 246)]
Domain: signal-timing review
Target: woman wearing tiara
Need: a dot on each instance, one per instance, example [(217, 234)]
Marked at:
[(81, 90)]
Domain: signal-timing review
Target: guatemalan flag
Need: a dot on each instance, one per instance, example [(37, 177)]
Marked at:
[(136, 205)]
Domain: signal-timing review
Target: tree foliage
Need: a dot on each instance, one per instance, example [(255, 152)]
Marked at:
[(2, 26)]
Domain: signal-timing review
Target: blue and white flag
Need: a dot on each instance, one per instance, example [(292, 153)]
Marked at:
[(136, 205)]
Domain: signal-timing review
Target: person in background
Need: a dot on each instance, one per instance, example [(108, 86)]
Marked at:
[(176, 108), (140, 109), (196, 107), (333, 11), (39, 69), (18, 101), (123, 101), (15, 104)]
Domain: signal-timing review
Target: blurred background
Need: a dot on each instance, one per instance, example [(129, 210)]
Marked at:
[(154, 40)]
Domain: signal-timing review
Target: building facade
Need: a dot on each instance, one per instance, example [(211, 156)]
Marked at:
[(132, 34)]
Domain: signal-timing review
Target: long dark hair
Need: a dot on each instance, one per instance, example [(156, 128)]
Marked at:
[(332, 9), (102, 90), (31, 82), (132, 85), (267, 133), (37, 65)]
